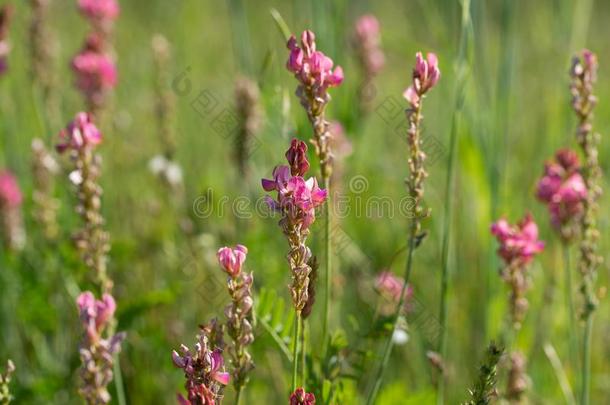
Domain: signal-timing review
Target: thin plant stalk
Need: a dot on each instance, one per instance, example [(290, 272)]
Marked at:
[(118, 382), (449, 184), (328, 258), (295, 350), (586, 361), (238, 396), (390, 343), (570, 304)]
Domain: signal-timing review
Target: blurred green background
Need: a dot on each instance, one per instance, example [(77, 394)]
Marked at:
[(516, 113)]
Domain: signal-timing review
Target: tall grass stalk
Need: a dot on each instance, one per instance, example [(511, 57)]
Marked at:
[(241, 37), (295, 350), (328, 258), (461, 78)]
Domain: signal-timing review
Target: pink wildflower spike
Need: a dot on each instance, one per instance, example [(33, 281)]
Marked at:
[(425, 73), (79, 133), (232, 260), (389, 286), (99, 9), (517, 243), (10, 193), (95, 314)]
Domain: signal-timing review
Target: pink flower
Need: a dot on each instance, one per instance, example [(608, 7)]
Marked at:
[(562, 188), (296, 156), (99, 9), (10, 193), (311, 67), (94, 70), (95, 314), (79, 133), (300, 397), (297, 198), (517, 243), (232, 260), (367, 40), (426, 74)]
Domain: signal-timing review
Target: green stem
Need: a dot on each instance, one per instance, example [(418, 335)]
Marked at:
[(238, 396), (570, 304), (390, 343), (118, 382), (586, 360), (303, 351), (448, 214), (295, 350), (328, 257)]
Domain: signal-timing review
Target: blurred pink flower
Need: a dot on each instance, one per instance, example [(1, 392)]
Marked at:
[(79, 133), (367, 41), (232, 259), (10, 193), (300, 397), (390, 286), (517, 243), (426, 74), (311, 67), (95, 314), (562, 188), (95, 71), (99, 10)]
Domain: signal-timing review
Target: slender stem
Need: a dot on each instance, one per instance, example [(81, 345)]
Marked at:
[(448, 214), (328, 257), (390, 343), (238, 396), (303, 351), (586, 361), (118, 382), (570, 304), (295, 350)]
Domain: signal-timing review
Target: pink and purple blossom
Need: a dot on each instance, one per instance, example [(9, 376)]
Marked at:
[(79, 133), (10, 193), (300, 397), (518, 243), (426, 74), (100, 10), (232, 259)]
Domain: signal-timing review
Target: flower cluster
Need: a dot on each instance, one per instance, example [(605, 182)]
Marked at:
[(95, 72), (583, 77), (13, 233), (96, 351), (563, 189), (203, 368), (239, 312), (315, 74), (6, 13), (249, 114), (425, 76), (80, 137), (366, 42), (518, 246), (5, 379), (297, 200), (300, 397)]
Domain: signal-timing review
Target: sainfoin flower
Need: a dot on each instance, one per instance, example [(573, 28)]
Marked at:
[(390, 286), (238, 312), (10, 193), (96, 351), (6, 13), (79, 133), (517, 243), (11, 219), (95, 71), (426, 74), (300, 397), (203, 369), (99, 9), (366, 41), (296, 156), (312, 68), (297, 200), (563, 189), (232, 259)]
